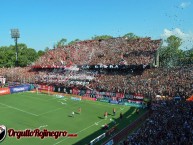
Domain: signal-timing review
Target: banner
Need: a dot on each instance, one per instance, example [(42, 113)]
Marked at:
[(103, 100), (20, 89), (45, 87), (138, 96), (121, 103), (133, 104), (76, 99), (32, 87), (190, 99), (88, 98), (4, 91), (75, 91), (120, 95), (114, 102), (128, 96)]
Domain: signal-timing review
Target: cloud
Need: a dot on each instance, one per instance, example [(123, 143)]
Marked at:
[(184, 5), (187, 38)]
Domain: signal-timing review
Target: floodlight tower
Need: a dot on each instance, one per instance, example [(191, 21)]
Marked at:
[(15, 34)]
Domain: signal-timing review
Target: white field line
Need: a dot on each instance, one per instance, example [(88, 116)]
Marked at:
[(57, 109), (19, 109), (83, 130), (131, 113), (42, 126), (79, 132), (50, 98)]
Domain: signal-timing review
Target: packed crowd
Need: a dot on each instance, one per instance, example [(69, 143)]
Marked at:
[(64, 77), (18, 74), (110, 51), (55, 57), (171, 123), (152, 82)]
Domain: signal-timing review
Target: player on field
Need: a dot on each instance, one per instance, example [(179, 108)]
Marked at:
[(114, 111), (79, 110), (72, 113), (105, 115), (121, 115)]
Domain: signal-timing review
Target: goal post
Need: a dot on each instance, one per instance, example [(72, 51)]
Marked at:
[(48, 90)]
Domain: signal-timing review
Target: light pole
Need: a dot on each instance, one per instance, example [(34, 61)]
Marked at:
[(15, 34)]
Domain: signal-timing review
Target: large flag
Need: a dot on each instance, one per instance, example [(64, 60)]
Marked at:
[(190, 99)]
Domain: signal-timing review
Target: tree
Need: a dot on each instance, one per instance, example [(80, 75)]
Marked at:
[(170, 55), (26, 56), (46, 49), (187, 57), (40, 53), (131, 36), (61, 43), (174, 42), (101, 37), (74, 41), (7, 56)]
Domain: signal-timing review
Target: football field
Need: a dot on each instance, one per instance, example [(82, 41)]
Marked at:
[(31, 111)]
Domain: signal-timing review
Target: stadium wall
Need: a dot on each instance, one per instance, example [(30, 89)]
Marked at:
[(135, 100), (4, 91), (18, 89), (15, 89)]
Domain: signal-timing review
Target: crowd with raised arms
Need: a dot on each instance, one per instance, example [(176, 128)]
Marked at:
[(106, 52), (54, 57)]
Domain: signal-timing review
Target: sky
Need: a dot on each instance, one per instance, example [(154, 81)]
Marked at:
[(44, 22)]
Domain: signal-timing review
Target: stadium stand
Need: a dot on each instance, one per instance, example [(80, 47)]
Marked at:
[(112, 65), (120, 68), (170, 123)]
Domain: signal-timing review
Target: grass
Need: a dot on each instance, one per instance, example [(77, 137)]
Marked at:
[(30, 111)]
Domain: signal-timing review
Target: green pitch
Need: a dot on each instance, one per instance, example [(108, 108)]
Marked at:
[(40, 111)]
